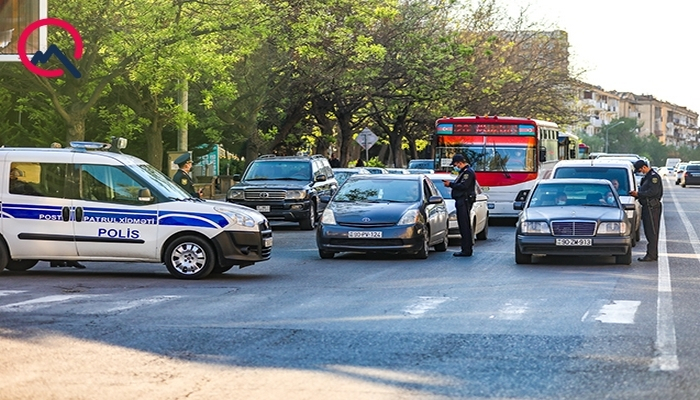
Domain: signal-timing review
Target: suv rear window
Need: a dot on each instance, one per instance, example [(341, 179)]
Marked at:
[(619, 174), (693, 167)]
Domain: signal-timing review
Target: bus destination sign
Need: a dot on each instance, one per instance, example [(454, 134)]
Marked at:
[(485, 129)]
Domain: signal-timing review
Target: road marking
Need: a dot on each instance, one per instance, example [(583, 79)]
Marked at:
[(512, 310), (666, 358), (41, 302), (618, 312), (10, 292), (130, 304), (424, 304)]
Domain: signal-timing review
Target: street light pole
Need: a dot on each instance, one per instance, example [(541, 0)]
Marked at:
[(607, 129)]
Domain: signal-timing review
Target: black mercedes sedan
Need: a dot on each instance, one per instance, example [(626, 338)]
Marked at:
[(384, 213), (573, 217)]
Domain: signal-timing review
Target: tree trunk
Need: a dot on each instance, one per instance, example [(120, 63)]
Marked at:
[(154, 143)]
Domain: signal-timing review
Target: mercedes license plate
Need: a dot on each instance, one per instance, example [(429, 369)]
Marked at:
[(267, 242), (263, 208), (574, 242), (364, 234)]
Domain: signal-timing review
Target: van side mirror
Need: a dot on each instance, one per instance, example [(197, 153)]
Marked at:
[(237, 177), (145, 195), (321, 178)]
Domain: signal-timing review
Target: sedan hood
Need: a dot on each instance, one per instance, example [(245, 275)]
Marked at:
[(578, 212), (369, 213)]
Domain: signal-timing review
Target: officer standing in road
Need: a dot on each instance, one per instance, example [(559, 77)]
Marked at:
[(464, 194), (649, 195), (183, 178)]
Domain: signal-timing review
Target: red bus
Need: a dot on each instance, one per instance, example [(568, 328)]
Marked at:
[(508, 154)]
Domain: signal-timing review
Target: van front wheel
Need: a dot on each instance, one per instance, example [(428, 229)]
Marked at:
[(190, 257), (20, 265)]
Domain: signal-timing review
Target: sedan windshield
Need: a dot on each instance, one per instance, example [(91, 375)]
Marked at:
[(573, 195), (377, 191)]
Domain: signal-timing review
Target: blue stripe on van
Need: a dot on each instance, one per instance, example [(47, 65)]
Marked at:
[(180, 218), (29, 211)]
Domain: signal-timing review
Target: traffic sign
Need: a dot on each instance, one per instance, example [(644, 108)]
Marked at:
[(366, 138)]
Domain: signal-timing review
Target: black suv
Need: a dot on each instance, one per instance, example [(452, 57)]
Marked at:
[(285, 188)]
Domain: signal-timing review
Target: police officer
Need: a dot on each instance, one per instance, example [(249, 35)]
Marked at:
[(649, 195), (183, 178), (464, 194)]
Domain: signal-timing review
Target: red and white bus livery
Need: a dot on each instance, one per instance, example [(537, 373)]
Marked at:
[(508, 154)]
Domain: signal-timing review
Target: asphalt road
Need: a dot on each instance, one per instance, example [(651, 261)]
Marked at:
[(365, 326)]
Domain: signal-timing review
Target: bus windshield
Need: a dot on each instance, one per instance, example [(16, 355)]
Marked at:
[(490, 153)]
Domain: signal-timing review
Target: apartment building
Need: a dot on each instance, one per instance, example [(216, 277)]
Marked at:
[(672, 124)]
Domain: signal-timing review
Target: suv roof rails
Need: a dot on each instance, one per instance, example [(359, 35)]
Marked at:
[(317, 156)]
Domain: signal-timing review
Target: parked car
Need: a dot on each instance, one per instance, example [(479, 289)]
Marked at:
[(421, 163), (397, 171), (376, 170), (680, 170), (285, 188), (479, 213), (619, 172), (691, 175), (384, 214), (573, 217), (420, 171), (342, 174)]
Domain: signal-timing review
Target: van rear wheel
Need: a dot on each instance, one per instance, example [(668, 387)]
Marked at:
[(190, 257)]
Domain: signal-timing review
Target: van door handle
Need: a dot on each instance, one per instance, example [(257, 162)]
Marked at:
[(65, 214), (79, 214)]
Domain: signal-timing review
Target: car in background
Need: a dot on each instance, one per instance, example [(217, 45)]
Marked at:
[(691, 176), (479, 216), (376, 170), (342, 174), (680, 170), (663, 171), (285, 188), (384, 213), (421, 171), (619, 172), (573, 217), (398, 171), (421, 163)]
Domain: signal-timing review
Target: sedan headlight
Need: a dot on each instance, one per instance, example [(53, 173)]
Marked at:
[(410, 217), (540, 227), (328, 218), (236, 194), (295, 195), (236, 217), (612, 228), (453, 216)]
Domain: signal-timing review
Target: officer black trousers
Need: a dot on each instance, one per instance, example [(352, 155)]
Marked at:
[(651, 218), (464, 208)]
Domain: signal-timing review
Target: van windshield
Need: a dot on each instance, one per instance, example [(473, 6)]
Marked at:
[(161, 182)]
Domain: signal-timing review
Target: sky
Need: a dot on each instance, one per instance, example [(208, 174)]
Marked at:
[(642, 46)]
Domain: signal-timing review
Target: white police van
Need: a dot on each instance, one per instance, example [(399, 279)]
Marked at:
[(80, 203)]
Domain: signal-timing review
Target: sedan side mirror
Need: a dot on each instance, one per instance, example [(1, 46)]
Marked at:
[(435, 200)]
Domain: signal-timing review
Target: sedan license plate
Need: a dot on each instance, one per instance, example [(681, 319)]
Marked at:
[(263, 208), (574, 242), (267, 242), (364, 234)]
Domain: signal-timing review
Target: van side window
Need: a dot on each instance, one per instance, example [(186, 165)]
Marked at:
[(107, 183), (38, 179)]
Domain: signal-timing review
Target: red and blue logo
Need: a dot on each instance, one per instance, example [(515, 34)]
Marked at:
[(53, 50)]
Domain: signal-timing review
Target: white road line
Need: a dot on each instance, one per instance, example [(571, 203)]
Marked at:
[(424, 304), (40, 302), (666, 358), (10, 292), (618, 312), (129, 304), (512, 310)]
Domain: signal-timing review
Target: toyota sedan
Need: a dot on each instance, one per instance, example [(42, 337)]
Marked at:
[(573, 217), (384, 214)]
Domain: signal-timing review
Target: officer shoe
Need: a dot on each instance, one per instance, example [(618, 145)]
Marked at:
[(646, 258), (462, 254)]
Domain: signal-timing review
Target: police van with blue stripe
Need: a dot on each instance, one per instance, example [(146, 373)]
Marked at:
[(90, 202)]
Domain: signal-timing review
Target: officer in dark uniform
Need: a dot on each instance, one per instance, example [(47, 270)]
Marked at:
[(649, 195), (183, 178), (464, 194)]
